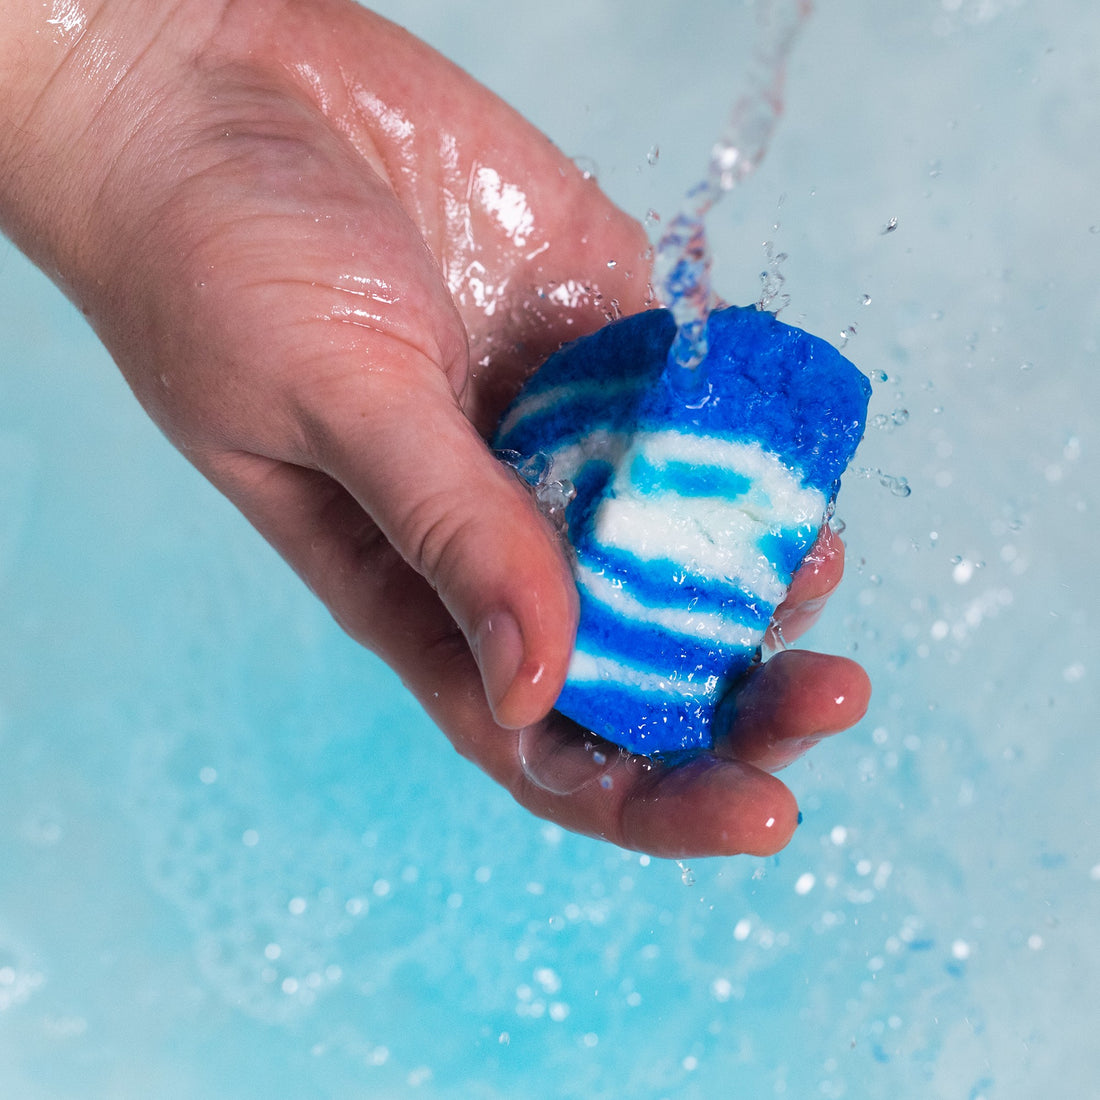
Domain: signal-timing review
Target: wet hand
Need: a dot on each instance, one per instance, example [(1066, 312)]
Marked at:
[(325, 259)]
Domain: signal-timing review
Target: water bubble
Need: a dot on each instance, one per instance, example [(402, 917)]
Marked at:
[(588, 167), (652, 217), (898, 486), (552, 495), (562, 762), (682, 268), (687, 875), (889, 421), (772, 280), (653, 155), (890, 226), (866, 299), (1094, 228)]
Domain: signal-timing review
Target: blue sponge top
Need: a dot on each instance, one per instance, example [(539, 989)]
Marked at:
[(792, 392)]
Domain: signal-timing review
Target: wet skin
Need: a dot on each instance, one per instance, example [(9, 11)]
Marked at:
[(325, 259)]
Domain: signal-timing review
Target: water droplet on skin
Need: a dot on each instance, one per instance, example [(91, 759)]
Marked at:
[(561, 764), (588, 167)]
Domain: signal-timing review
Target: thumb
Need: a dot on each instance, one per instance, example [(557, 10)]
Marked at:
[(468, 525)]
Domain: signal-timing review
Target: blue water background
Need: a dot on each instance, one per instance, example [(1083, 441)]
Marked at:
[(238, 862)]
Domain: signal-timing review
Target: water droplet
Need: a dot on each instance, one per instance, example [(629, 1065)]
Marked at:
[(890, 226), (687, 875), (561, 763), (652, 217), (654, 154), (1094, 229), (588, 167)]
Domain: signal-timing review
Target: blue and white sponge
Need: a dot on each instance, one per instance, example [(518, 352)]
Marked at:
[(694, 505)]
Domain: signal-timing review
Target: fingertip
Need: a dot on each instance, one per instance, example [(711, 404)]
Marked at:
[(851, 694), (711, 807), (773, 823)]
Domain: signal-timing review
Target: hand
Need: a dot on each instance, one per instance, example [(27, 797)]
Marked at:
[(325, 259)]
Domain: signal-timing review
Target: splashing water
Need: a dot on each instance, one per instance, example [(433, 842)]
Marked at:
[(682, 266)]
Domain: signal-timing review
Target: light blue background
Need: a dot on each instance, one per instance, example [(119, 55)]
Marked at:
[(235, 859)]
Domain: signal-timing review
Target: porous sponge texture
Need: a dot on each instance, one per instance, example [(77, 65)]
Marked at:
[(695, 502)]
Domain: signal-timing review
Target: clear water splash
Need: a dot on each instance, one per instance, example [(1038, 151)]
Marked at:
[(683, 263)]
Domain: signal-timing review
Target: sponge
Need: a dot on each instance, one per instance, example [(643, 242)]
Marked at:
[(695, 501)]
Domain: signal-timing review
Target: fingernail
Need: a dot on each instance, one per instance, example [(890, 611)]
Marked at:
[(498, 649)]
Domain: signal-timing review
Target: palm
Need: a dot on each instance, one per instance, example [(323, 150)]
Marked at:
[(338, 277)]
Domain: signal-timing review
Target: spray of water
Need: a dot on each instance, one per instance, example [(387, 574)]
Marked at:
[(682, 262)]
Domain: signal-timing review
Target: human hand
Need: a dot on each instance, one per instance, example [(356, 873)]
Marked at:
[(325, 259)]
